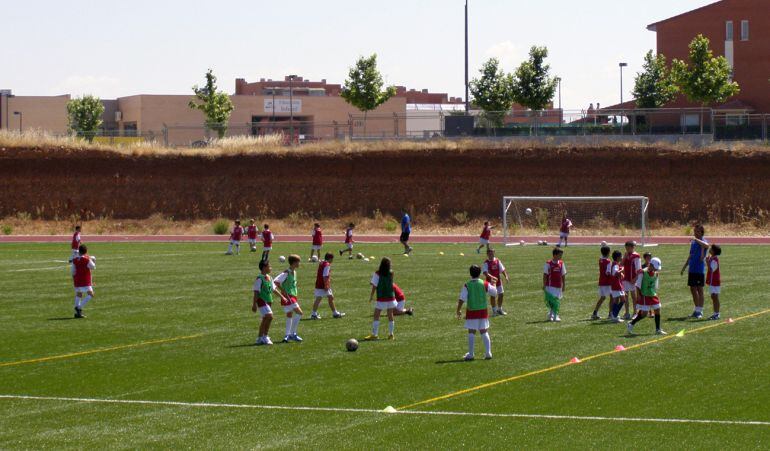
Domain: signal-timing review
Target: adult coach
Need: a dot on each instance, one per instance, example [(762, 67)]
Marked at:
[(406, 230), (696, 277)]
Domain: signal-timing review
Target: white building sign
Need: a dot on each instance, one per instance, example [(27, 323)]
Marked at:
[(283, 106)]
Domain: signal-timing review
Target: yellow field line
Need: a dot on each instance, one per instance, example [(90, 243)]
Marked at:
[(94, 351), (566, 364)]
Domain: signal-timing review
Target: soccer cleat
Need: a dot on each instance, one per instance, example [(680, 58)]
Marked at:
[(296, 338), (409, 251), (410, 311), (260, 341), (550, 316), (502, 312), (697, 315), (556, 319), (714, 317), (595, 317), (660, 332), (468, 357), (267, 341), (488, 357), (350, 258), (627, 316), (315, 316), (630, 328), (338, 315), (616, 319), (371, 337), (494, 312), (286, 339), (391, 337), (228, 253)]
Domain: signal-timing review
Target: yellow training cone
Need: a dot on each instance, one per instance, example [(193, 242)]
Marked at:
[(680, 334), (389, 409)]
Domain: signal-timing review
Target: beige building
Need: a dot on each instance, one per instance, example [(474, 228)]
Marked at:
[(47, 113)]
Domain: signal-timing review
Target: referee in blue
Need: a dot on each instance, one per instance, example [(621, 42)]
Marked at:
[(696, 267), (406, 230)]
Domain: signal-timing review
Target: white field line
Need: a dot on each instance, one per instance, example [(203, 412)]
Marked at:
[(45, 268), (210, 405)]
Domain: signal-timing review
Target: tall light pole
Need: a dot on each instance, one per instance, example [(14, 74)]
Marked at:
[(21, 117), (622, 65), (561, 112), (467, 100), (291, 109)]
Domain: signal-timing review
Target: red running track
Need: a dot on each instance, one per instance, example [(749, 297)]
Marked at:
[(729, 240)]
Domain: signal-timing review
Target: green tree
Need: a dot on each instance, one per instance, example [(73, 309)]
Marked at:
[(493, 92), (215, 105), (364, 86), (533, 87), (705, 79), (85, 116), (654, 87)]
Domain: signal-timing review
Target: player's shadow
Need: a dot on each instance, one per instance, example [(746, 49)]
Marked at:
[(679, 319), (244, 345), (445, 362), (61, 319), (545, 321)]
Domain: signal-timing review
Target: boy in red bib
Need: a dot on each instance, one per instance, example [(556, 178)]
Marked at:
[(605, 282), (714, 278), (554, 283), (486, 235), (401, 302), (267, 242), (82, 265), (475, 293), (618, 295), (264, 287), (235, 239), (632, 269), (75, 244), (566, 226), (348, 241), (323, 287), (251, 233), (494, 268), (317, 241)]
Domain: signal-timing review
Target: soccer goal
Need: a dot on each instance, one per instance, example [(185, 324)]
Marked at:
[(623, 216)]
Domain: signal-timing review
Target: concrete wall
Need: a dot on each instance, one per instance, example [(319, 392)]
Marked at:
[(38, 112)]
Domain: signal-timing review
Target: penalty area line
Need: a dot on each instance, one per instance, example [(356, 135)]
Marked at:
[(212, 405)]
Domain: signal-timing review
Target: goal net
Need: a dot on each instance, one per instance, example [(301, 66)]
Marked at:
[(599, 217)]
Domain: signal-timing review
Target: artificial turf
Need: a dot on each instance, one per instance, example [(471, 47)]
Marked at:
[(152, 292)]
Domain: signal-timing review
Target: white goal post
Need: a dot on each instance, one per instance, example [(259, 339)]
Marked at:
[(590, 216)]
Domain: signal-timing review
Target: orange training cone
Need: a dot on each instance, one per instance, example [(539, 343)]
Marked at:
[(620, 348), (575, 360), (730, 320)]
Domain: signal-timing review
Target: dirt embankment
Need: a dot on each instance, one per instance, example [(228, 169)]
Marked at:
[(682, 185)]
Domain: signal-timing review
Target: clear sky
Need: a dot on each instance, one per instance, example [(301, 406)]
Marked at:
[(113, 49)]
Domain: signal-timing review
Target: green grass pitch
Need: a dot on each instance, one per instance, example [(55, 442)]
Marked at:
[(148, 292)]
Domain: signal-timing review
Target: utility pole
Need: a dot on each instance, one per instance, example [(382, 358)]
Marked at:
[(467, 100), (622, 65)]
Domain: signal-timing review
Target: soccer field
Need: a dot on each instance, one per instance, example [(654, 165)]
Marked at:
[(166, 358)]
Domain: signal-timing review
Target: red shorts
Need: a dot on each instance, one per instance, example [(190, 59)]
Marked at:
[(477, 314), (649, 300), (262, 303), (292, 300)]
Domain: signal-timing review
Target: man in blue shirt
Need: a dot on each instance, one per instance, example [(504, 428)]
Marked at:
[(406, 230), (696, 277)]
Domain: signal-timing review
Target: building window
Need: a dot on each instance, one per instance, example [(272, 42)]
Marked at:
[(729, 30), (744, 30)]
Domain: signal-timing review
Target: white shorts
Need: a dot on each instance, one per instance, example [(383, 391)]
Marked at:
[(290, 307), (628, 286), (349, 246), (605, 290), (638, 284), (265, 310), (385, 305), (235, 242), (267, 248), (483, 241), (715, 290), (500, 289), (563, 236), (647, 308), (618, 294), (253, 242), (320, 292), (83, 289), (401, 305), (315, 247), (477, 324), (553, 291)]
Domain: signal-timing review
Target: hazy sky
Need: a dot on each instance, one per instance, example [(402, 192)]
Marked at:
[(115, 49)]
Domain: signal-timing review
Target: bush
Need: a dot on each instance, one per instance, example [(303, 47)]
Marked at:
[(391, 225), (221, 227), (7, 229), (461, 217), (297, 218)]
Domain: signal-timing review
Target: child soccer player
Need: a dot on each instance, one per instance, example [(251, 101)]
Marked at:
[(647, 258), (566, 225), (475, 293), (493, 268), (263, 300), (632, 268), (401, 302), (382, 284), (82, 265), (649, 300), (618, 295), (605, 282), (318, 241), (554, 283), (486, 235), (287, 284), (267, 241), (235, 238), (714, 278), (323, 287), (348, 241), (251, 233), (75, 244)]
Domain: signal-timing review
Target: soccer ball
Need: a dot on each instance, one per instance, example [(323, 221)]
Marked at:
[(366, 260), (604, 243), (440, 253), (351, 345), (539, 242), (522, 243), (545, 243), (528, 211), (281, 259), (314, 259), (359, 256)]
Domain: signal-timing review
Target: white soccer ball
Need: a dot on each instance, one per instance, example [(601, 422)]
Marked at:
[(604, 243), (367, 260), (539, 242), (522, 243), (545, 243), (359, 256), (528, 211), (281, 259), (314, 259)]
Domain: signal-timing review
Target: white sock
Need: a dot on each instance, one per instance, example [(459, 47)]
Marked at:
[(471, 343), (85, 301), (230, 247), (699, 309), (487, 343), (77, 301), (295, 324), (391, 327), (375, 327), (289, 324)]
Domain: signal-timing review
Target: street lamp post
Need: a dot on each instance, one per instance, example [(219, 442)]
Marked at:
[(291, 109), (21, 117), (561, 112), (622, 65), (467, 100)]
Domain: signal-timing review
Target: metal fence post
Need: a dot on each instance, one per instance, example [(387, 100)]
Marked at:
[(165, 135), (350, 126)]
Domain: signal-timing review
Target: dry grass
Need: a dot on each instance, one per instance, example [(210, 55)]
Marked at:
[(273, 144)]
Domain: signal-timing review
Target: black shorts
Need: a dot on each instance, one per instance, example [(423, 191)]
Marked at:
[(696, 279), (404, 237)]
